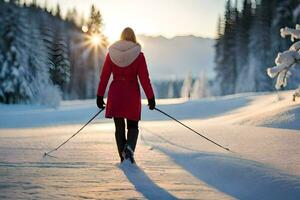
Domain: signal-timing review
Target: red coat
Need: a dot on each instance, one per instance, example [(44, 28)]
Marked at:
[(124, 97)]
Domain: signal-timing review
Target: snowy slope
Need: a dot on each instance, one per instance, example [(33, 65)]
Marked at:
[(261, 130), (256, 109)]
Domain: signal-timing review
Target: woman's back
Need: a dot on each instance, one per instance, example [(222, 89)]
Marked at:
[(127, 64)]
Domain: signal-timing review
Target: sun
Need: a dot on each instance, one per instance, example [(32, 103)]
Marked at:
[(96, 39)]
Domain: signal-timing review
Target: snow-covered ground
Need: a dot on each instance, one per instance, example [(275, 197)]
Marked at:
[(262, 130)]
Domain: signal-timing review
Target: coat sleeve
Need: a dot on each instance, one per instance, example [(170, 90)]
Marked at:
[(143, 75), (104, 77)]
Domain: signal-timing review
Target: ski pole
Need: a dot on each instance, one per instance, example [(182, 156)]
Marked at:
[(227, 149), (48, 153)]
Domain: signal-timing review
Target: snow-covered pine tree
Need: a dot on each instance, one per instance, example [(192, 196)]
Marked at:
[(255, 31), (45, 90), (287, 59), (63, 59), (26, 31), (177, 88), (200, 87), (286, 12), (15, 78), (283, 17), (187, 86), (60, 70), (40, 24), (296, 94), (171, 89), (55, 34)]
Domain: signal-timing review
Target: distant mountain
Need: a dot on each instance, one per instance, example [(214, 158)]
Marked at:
[(175, 57)]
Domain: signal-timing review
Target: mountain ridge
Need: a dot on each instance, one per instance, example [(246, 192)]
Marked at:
[(175, 57)]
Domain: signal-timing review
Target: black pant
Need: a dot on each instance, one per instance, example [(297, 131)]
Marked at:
[(132, 134)]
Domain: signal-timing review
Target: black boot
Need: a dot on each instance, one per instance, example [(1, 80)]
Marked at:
[(128, 153), (121, 142), (120, 136), (132, 137)]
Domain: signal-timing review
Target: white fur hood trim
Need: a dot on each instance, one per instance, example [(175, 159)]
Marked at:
[(124, 52)]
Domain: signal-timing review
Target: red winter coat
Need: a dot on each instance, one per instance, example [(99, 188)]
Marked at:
[(127, 64)]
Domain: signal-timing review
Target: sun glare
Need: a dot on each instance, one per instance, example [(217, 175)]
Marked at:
[(95, 39)]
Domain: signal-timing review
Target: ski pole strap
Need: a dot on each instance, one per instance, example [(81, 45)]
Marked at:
[(227, 149), (48, 153)]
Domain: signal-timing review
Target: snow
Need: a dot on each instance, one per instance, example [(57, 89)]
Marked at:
[(284, 61), (200, 88), (187, 86), (287, 59), (295, 46), (80, 111), (143, 183), (296, 94), (294, 33), (262, 130)]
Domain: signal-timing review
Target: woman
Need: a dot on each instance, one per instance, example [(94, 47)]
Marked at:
[(127, 64)]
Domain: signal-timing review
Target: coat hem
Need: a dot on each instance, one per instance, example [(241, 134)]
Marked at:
[(119, 116)]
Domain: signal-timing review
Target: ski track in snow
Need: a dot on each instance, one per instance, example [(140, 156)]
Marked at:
[(88, 168), (172, 162)]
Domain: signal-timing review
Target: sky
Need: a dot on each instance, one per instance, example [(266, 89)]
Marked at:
[(168, 18)]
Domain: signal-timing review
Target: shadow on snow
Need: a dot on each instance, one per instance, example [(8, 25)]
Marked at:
[(143, 183), (240, 178)]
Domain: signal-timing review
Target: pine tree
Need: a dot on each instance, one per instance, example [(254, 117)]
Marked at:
[(93, 53), (25, 70), (39, 52), (284, 17), (287, 59), (227, 73), (58, 12), (95, 25), (72, 17), (201, 87), (59, 72), (243, 41), (260, 46), (218, 58), (248, 41), (187, 86), (45, 90), (14, 76), (54, 34), (171, 89)]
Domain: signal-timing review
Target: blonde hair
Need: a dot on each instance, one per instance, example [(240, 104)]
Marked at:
[(128, 34)]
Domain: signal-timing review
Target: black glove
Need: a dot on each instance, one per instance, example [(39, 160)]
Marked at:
[(151, 103), (100, 102)]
